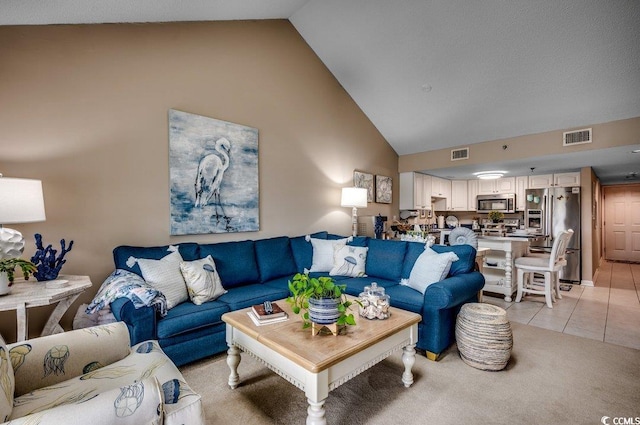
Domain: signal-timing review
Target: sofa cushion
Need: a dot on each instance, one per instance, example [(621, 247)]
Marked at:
[(8, 382), (355, 285), (414, 250), (429, 268), (348, 260), (165, 276), (323, 253), (303, 251), (246, 296), (466, 255), (405, 298), (235, 261), (188, 252), (202, 279), (385, 258), (187, 316), (359, 241), (275, 258)]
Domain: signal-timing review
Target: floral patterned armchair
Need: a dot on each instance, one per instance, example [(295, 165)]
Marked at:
[(93, 376)]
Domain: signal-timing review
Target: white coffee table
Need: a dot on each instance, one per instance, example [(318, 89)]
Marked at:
[(319, 364)]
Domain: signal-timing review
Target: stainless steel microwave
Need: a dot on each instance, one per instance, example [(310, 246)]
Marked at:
[(505, 202)]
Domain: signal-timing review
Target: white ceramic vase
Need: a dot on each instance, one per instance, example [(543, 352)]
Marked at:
[(4, 283)]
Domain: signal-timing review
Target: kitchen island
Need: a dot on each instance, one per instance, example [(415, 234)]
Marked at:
[(497, 265)]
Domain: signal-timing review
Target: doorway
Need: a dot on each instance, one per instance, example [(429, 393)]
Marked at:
[(622, 223)]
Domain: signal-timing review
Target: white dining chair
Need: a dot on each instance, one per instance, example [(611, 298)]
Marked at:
[(549, 266)]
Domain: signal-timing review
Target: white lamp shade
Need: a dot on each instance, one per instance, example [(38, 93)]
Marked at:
[(354, 197), (21, 201)]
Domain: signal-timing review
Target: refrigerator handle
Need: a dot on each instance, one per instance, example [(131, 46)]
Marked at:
[(547, 218)]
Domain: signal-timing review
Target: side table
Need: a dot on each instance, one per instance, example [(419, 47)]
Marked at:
[(31, 293)]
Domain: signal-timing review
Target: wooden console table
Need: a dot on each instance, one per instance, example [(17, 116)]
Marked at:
[(31, 293)]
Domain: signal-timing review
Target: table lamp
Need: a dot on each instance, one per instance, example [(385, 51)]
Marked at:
[(355, 197), (21, 201)]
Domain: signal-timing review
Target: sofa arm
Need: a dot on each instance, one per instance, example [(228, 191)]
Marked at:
[(453, 291), (138, 403), (49, 360), (140, 321)]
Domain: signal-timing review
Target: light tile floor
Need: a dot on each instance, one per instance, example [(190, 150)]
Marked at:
[(609, 311)]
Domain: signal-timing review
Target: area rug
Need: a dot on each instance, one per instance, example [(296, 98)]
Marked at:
[(551, 378)]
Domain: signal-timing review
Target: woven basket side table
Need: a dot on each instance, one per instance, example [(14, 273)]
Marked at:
[(484, 336)]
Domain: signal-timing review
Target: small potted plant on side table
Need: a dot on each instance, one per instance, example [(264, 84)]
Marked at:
[(7, 272), (320, 302)]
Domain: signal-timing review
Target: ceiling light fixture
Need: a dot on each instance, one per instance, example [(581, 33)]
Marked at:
[(488, 175)]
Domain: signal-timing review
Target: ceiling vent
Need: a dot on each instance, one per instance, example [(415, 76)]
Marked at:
[(577, 137), (458, 154)]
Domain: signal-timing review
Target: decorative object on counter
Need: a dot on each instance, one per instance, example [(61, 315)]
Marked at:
[(496, 216), (354, 197), (22, 202), (484, 336), (364, 180), (45, 259), (374, 303), (321, 303), (378, 227), (440, 222), (383, 189), (462, 236), (452, 221), (7, 272)]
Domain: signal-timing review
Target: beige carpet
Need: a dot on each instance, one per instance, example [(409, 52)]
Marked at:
[(552, 378)]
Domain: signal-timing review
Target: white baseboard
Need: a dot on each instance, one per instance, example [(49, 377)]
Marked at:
[(586, 282)]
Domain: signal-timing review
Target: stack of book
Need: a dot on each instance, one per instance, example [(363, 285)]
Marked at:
[(261, 317)]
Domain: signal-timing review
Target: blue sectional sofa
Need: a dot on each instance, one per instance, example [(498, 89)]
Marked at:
[(256, 271)]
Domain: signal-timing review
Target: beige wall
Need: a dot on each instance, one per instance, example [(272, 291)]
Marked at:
[(606, 135), (84, 109)]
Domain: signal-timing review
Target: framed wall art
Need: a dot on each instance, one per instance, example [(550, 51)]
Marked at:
[(365, 180), (384, 189), (213, 171)]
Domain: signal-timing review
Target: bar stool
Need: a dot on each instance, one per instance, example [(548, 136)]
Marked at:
[(547, 266)]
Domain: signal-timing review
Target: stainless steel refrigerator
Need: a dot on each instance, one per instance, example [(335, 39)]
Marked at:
[(550, 211)]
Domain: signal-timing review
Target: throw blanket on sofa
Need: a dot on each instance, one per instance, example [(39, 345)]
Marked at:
[(123, 283)]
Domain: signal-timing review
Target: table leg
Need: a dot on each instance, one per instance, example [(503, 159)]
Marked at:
[(315, 413), (408, 358), (233, 360), (21, 321), (53, 323)]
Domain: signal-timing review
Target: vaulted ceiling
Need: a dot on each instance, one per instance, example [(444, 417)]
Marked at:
[(443, 73)]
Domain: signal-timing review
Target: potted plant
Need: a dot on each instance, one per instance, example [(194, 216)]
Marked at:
[(7, 272), (320, 300), (495, 216)]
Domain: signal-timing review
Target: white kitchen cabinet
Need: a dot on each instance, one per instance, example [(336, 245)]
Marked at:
[(501, 185), (441, 190), (566, 179), (554, 180), (415, 191), (522, 184), (459, 192), (472, 195)]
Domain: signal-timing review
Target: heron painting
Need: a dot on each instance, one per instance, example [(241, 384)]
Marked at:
[(213, 170)]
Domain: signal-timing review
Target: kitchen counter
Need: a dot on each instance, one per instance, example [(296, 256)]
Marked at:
[(498, 264)]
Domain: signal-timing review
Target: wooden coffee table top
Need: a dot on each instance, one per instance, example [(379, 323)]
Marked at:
[(317, 353)]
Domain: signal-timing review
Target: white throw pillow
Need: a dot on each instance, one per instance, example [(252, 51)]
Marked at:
[(8, 383), (202, 279), (166, 277), (349, 260), (430, 267), (323, 253)]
